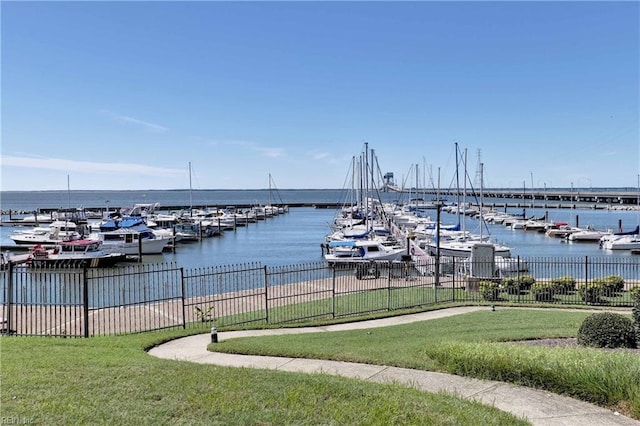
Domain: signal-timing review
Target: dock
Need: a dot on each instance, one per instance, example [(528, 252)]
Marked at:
[(6, 258)]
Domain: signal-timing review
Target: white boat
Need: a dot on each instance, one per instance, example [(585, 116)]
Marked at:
[(503, 266), (622, 242), (561, 230), (588, 235), (535, 225), (506, 266), (362, 251), (47, 235), (78, 253), (132, 241), (463, 248), (38, 218)]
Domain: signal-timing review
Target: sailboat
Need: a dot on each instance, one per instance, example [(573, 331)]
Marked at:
[(626, 240), (463, 245), (270, 209)]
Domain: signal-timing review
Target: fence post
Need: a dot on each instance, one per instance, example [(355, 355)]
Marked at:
[(333, 292), (390, 264), (182, 298), (518, 279), (436, 283), (266, 296), (586, 279), (85, 299), (9, 311), (453, 281)]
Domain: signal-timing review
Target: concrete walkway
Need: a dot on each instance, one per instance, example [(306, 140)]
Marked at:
[(539, 407)]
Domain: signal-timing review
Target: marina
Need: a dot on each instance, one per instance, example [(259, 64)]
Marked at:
[(296, 237)]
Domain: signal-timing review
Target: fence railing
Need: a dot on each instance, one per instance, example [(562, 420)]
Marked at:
[(84, 302)]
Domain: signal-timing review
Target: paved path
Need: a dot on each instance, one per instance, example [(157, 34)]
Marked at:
[(539, 407)]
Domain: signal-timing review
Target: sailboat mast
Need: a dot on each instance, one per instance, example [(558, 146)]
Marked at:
[(190, 191), (481, 198), (457, 183), (464, 193), (366, 184)]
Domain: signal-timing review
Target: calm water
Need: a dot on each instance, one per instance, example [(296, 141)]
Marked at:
[(295, 237)]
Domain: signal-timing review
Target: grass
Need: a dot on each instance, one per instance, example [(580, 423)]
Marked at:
[(473, 345), (107, 380), (393, 301), (111, 380)]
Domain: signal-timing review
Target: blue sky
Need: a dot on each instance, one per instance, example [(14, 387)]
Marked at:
[(124, 95)]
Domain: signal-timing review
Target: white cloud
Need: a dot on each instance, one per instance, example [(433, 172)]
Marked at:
[(87, 166), (253, 146), (140, 123), (320, 155), (271, 152)]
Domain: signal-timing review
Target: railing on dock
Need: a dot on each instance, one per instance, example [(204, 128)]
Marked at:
[(84, 302)]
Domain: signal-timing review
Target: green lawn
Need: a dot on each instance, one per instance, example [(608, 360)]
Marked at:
[(112, 380), (475, 344)]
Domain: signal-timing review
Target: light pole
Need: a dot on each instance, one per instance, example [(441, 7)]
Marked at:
[(586, 179), (544, 192), (572, 192)]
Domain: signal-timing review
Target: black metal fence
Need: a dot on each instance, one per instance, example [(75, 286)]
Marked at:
[(83, 302)]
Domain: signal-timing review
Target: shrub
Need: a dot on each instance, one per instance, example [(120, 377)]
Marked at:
[(607, 330), (543, 291), (516, 285), (635, 312), (489, 290), (591, 292), (612, 285), (564, 285)]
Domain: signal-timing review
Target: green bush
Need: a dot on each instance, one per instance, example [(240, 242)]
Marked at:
[(607, 330), (612, 285), (516, 285), (635, 312), (591, 292), (489, 290), (564, 285), (608, 286), (543, 291)]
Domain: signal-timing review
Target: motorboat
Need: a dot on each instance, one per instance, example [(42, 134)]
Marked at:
[(132, 236), (503, 266), (464, 247), (618, 236), (53, 234), (535, 225), (588, 235), (350, 251), (132, 241), (622, 242), (39, 218), (561, 231), (87, 253)]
